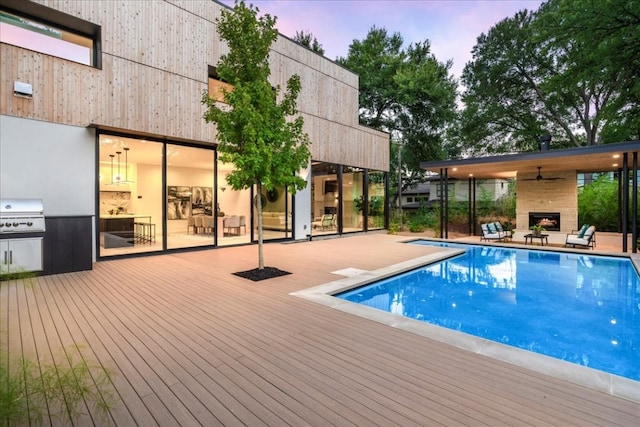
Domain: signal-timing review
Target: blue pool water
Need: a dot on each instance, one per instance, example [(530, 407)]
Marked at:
[(579, 308)]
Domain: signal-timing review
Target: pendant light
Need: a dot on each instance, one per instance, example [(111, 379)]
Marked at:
[(118, 176), (126, 166), (112, 156)]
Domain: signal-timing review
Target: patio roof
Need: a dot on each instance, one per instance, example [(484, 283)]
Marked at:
[(599, 158)]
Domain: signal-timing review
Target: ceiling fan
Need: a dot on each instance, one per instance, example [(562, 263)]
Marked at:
[(540, 178)]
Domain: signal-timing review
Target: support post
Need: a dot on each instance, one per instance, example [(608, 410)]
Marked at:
[(625, 201), (469, 213), (446, 203), (441, 202), (634, 205)]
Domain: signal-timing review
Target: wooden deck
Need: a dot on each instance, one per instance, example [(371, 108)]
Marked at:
[(191, 344)]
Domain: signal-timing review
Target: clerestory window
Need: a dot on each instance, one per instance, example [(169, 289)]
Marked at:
[(216, 85), (38, 28)]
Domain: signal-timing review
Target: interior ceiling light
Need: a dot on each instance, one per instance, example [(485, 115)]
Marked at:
[(118, 176)]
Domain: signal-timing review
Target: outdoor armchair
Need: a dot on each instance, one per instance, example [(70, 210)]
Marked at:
[(585, 237)]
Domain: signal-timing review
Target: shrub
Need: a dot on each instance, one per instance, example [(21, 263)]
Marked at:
[(598, 204), (30, 390)]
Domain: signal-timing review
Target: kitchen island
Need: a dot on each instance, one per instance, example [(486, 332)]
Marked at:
[(117, 231)]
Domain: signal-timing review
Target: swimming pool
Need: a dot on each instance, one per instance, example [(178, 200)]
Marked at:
[(578, 308)]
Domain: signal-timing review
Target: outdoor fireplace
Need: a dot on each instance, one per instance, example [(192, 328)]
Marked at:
[(549, 220)]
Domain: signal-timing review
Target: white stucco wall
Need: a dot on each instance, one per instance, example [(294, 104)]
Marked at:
[(48, 161), (303, 215)]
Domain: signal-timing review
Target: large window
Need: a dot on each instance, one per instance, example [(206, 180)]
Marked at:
[(353, 199), (190, 203), (324, 198), (277, 219), (216, 85), (48, 31), (375, 193), (233, 210), (130, 201)]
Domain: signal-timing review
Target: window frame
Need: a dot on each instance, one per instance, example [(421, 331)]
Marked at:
[(216, 83), (60, 21)]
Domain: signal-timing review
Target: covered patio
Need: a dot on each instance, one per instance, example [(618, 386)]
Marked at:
[(546, 183)]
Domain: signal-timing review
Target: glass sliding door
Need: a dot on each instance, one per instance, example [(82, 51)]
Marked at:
[(233, 213), (189, 193), (131, 212), (324, 198), (353, 199), (277, 220), (376, 196)]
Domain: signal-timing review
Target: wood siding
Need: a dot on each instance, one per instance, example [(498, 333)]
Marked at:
[(155, 58)]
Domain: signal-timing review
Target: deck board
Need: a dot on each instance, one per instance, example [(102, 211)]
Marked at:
[(189, 343)]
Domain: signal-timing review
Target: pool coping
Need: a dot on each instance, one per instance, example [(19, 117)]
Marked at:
[(611, 384)]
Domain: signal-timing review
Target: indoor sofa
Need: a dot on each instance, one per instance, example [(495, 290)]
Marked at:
[(276, 221)]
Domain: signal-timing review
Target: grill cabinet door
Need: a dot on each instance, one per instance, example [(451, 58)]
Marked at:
[(20, 255)]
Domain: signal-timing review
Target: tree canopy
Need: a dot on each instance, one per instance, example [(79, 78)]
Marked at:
[(554, 71), (254, 129), (307, 39), (406, 92)]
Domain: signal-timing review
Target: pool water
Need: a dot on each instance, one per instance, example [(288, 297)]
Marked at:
[(583, 309)]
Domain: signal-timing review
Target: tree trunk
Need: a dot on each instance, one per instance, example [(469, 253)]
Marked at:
[(258, 199)]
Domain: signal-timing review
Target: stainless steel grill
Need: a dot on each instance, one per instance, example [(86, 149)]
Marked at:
[(22, 228), (21, 216)]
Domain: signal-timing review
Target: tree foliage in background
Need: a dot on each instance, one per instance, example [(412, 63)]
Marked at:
[(554, 71), (254, 132), (598, 203), (307, 39), (406, 92), (608, 33)]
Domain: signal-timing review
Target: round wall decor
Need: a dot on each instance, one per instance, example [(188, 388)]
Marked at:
[(272, 195)]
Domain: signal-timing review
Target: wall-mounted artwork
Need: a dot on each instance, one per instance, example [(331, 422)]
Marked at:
[(178, 202), (201, 201), (114, 202), (183, 202)]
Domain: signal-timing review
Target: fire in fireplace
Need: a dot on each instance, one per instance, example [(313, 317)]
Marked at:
[(549, 220)]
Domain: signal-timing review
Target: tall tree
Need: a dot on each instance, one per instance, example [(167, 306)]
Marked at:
[(406, 92), (531, 75), (307, 39), (255, 129), (608, 33), (503, 110)]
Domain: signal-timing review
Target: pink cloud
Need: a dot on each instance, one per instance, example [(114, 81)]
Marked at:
[(452, 26)]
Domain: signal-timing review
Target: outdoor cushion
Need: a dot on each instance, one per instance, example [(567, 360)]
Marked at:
[(492, 228), (583, 230), (498, 227), (587, 240)]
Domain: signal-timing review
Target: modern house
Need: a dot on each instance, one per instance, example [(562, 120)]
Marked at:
[(101, 119)]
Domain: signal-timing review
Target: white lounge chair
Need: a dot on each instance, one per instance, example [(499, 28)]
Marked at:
[(583, 237), (493, 231)]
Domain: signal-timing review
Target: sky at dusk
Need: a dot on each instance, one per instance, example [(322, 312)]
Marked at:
[(451, 26)]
